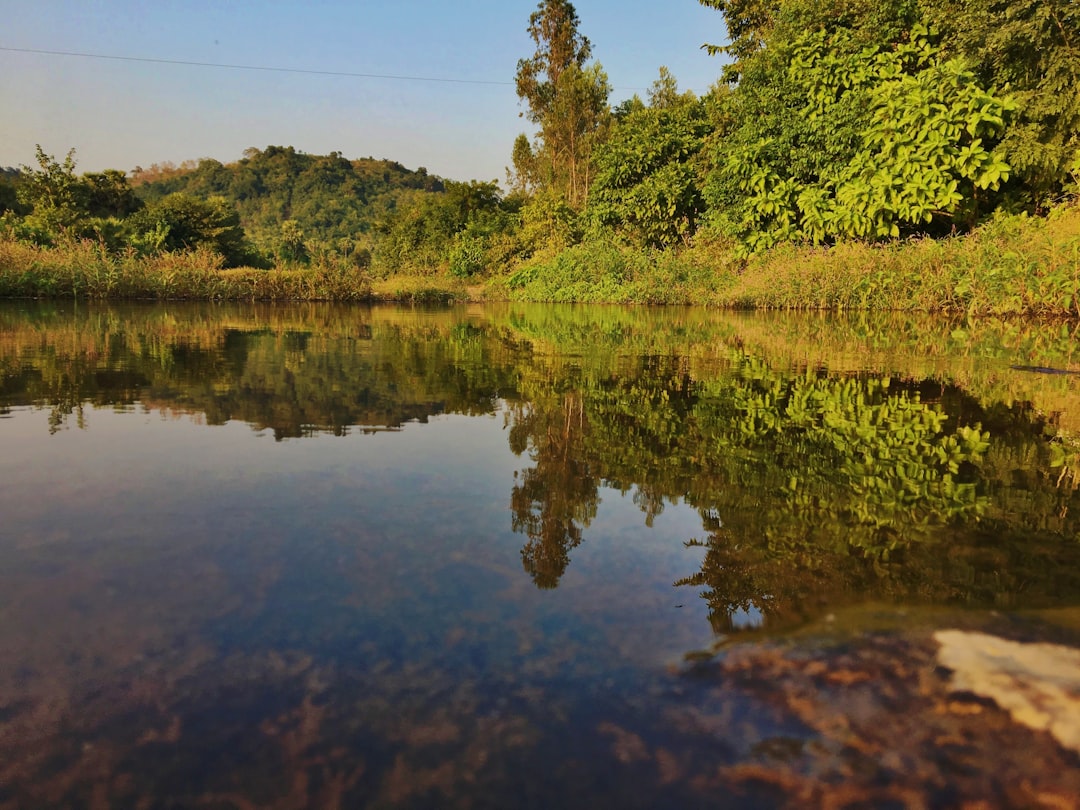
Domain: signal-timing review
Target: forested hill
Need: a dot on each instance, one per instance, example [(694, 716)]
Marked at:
[(284, 195)]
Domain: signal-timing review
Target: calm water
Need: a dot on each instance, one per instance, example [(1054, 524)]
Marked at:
[(491, 557)]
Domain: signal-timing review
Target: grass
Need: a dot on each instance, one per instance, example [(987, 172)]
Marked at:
[(1013, 266), (605, 272), (82, 269)]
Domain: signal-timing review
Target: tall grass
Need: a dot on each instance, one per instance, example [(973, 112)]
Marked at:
[(602, 271), (1013, 266), (84, 269)]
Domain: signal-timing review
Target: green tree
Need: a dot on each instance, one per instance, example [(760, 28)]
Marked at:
[(1033, 48), (748, 23), (110, 195), (291, 248), (54, 194), (845, 132), (648, 173), (451, 228), (9, 192), (183, 222), (566, 98)]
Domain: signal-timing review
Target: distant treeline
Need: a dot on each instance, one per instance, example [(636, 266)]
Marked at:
[(276, 205)]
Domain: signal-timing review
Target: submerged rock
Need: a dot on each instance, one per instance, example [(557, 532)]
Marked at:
[(1037, 683)]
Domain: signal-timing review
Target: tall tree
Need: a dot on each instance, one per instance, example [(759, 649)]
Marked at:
[(566, 97)]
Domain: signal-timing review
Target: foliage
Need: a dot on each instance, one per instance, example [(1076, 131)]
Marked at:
[(53, 193), (59, 206), (602, 271), (647, 171), (1012, 265), (10, 180), (748, 23), (865, 142), (182, 222), (1033, 48), (454, 228), (1015, 265), (87, 269), (109, 195), (330, 198)]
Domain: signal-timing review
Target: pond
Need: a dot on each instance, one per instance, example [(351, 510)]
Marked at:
[(526, 556)]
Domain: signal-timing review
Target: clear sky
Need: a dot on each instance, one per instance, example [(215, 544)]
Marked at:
[(122, 114)]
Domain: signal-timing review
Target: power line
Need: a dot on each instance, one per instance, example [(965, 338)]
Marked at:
[(270, 69), (264, 68)]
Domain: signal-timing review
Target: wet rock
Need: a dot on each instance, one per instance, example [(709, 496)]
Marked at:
[(1037, 683)]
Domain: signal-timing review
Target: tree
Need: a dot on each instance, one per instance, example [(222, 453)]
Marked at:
[(56, 196), (291, 247), (1033, 48), (850, 125), (648, 178), (452, 226), (183, 222), (748, 22), (566, 97), (109, 195), (9, 194)]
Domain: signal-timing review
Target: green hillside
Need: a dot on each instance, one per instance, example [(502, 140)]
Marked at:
[(286, 198)]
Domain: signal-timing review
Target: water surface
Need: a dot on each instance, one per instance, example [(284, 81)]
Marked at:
[(509, 556)]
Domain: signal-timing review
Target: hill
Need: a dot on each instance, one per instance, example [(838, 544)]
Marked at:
[(334, 203)]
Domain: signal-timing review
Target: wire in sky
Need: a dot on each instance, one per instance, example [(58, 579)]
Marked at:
[(269, 69), (266, 68)]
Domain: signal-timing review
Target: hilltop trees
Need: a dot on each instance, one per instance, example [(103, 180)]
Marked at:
[(336, 204)]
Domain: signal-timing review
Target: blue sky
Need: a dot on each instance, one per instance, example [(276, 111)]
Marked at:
[(121, 114)]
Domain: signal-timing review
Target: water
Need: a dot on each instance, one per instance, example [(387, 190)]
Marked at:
[(510, 556)]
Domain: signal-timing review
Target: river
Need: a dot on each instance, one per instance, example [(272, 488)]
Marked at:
[(526, 556)]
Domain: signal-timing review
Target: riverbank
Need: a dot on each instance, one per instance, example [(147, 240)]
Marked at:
[(1014, 266)]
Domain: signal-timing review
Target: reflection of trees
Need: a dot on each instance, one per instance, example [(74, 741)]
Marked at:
[(814, 489), (810, 484), (554, 500), (296, 377)]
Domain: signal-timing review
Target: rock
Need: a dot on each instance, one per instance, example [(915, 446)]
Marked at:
[(1038, 684)]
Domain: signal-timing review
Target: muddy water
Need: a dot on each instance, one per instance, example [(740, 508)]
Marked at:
[(525, 556)]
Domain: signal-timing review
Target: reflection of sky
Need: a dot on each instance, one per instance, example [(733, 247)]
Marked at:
[(411, 517), (747, 618)]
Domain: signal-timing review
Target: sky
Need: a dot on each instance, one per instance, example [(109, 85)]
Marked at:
[(121, 114)]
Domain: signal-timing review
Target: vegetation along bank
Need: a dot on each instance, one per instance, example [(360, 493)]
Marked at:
[(922, 155)]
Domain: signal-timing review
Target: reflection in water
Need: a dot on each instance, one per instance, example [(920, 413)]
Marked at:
[(810, 484), (554, 500), (194, 613)]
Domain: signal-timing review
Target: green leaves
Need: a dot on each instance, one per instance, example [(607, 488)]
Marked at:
[(647, 183), (923, 138)]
